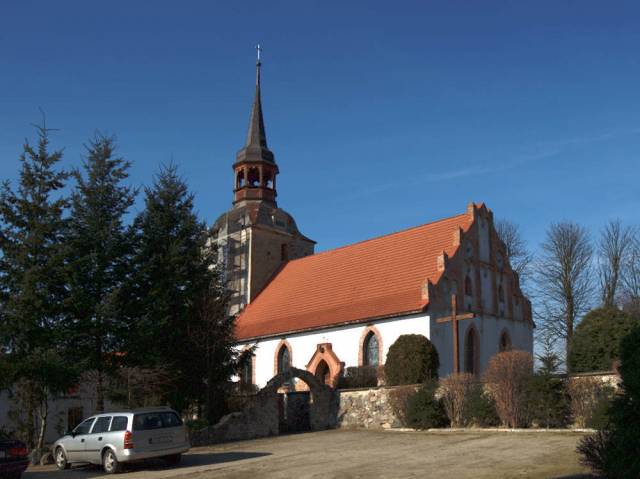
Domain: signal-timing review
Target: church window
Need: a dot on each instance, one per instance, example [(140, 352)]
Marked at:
[(500, 293), (240, 179), (253, 177), (500, 261), (370, 350), (284, 359), (246, 374), (284, 252), (468, 286), (505, 342), (471, 352)]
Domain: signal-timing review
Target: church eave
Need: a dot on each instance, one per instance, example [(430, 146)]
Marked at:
[(279, 334)]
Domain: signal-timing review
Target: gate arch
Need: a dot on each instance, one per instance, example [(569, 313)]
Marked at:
[(323, 407)]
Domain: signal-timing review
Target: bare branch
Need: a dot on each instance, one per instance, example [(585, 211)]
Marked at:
[(615, 245), (563, 279), (518, 253)]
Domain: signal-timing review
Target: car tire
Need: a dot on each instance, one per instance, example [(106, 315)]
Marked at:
[(110, 462), (60, 459), (173, 459)]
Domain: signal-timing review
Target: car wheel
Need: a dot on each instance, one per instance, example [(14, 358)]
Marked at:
[(61, 459), (173, 459), (110, 462)]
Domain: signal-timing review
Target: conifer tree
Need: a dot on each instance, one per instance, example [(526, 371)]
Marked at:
[(182, 320), (32, 287), (99, 250)]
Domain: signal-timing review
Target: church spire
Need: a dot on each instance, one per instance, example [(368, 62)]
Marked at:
[(255, 167), (256, 134)]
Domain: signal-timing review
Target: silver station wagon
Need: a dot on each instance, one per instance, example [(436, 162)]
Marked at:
[(114, 438)]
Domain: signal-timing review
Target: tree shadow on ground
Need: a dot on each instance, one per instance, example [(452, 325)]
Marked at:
[(188, 460)]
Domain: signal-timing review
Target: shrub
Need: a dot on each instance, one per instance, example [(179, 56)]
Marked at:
[(424, 410), (586, 394), (595, 344), (399, 399), (481, 408), (615, 450), (412, 359), (359, 377), (601, 413), (508, 377), (455, 394), (548, 401)]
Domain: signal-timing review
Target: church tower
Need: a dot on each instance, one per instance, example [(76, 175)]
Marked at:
[(255, 237)]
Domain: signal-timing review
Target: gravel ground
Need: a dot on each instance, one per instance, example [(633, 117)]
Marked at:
[(354, 454)]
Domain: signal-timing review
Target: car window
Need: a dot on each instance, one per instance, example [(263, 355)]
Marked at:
[(101, 425), (85, 426), (170, 419), (119, 423), (147, 421)]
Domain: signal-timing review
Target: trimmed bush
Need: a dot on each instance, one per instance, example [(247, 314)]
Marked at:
[(508, 378), (412, 359), (424, 410), (359, 377), (595, 344)]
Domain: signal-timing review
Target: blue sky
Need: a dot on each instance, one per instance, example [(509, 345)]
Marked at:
[(382, 115)]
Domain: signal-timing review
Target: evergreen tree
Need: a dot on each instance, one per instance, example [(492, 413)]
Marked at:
[(181, 321), (99, 249), (32, 287)]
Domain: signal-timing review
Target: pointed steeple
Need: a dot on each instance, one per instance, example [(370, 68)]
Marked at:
[(255, 168), (256, 147)]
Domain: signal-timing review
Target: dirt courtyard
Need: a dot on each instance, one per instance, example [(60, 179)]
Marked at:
[(366, 454)]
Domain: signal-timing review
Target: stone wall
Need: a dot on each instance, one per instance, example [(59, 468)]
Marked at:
[(366, 408)]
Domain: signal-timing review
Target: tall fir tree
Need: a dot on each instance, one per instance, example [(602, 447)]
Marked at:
[(99, 250), (178, 298), (32, 286)]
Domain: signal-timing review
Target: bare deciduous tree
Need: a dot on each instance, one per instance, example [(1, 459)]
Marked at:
[(518, 253), (615, 246), (631, 273), (563, 279)]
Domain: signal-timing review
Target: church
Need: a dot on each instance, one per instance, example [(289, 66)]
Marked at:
[(449, 280)]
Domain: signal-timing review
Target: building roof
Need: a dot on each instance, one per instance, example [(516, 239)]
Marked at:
[(377, 278)]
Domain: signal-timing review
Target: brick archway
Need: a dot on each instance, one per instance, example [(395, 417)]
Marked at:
[(324, 355)]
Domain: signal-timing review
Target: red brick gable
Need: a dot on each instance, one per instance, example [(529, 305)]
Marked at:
[(378, 278)]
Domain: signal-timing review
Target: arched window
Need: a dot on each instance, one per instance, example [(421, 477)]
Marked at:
[(246, 374), (468, 286), (501, 294), (284, 359), (370, 350), (505, 342), (471, 352)]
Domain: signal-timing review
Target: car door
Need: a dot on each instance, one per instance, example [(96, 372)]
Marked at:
[(95, 440), (74, 443)]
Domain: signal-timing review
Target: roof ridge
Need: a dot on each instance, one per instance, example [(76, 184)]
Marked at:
[(378, 237)]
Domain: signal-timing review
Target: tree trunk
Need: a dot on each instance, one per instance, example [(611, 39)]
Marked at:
[(43, 412)]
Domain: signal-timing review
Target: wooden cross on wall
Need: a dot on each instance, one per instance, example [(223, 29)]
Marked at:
[(454, 318)]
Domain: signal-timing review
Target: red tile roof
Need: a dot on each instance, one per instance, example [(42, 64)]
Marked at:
[(377, 278)]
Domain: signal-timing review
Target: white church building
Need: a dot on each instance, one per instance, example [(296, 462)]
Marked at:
[(345, 307)]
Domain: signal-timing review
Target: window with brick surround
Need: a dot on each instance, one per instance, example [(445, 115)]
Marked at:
[(371, 349), (284, 359)]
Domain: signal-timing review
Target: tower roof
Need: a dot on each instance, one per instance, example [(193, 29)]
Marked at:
[(256, 147)]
